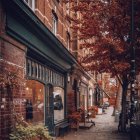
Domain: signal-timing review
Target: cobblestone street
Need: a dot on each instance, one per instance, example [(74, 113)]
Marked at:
[(105, 129)]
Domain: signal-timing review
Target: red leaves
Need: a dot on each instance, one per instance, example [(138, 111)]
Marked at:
[(107, 23)]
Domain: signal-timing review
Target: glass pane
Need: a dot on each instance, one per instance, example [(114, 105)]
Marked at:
[(58, 104), (30, 3), (46, 74), (32, 69), (29, 67), (34, 104)]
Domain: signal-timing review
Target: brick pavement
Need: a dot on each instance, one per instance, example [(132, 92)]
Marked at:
[(105, 129)]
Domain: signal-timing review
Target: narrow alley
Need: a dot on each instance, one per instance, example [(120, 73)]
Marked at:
[(104, 129)]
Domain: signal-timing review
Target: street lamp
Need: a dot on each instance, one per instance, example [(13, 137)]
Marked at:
[(133, 68), (133, 76)]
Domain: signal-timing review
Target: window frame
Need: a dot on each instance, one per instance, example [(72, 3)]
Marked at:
[(30, 6), (54, 22)]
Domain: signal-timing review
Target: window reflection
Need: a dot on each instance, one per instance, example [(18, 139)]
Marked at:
[(34, 105), (58, 95)]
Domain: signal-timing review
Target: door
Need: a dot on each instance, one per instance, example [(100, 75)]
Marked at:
[(49, 120)]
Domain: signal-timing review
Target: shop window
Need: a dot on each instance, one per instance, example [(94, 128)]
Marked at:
[(29, 67), (34, 104), (36, 70), (58, 95), (32, 69), (47, 77), (30, 3)]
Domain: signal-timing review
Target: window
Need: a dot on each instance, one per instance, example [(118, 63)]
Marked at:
[(54, 22), (30, 3), (34, 102), (58, 95), (68, 41)]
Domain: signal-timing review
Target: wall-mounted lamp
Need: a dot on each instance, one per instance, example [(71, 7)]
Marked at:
[(68, 78)]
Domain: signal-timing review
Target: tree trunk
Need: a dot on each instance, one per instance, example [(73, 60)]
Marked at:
[(124, 94), (116, 100)]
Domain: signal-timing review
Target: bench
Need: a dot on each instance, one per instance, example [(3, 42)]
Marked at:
[(62, 128)]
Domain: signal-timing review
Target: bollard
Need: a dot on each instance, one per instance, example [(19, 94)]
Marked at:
[(132, 131), (117, 116)]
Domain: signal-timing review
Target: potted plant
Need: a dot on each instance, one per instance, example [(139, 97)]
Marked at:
[(93, 110), (74, 119), (31, 132)]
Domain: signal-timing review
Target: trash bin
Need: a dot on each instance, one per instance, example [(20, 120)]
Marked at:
[(117, 116)]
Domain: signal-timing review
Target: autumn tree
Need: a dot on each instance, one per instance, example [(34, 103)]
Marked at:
[(104, 28)]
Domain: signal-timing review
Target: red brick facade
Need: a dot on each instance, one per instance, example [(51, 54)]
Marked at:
[(43, 9), (12, 55), (13, 60), (14, 63)]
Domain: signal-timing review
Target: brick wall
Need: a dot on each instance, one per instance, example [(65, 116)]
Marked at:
[(11, 95), (43, 9), (12, 61)]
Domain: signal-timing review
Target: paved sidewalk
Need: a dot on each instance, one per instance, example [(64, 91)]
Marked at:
[(104, 129)]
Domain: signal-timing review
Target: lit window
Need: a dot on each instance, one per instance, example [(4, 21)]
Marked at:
[(54, 23), (30, 3)]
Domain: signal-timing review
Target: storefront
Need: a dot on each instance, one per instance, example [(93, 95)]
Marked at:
[(46, 68), (45, 94)]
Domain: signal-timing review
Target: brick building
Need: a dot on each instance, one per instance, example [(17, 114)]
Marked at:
[(35, 61)]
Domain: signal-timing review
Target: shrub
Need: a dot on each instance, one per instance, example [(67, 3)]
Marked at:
[(30, 132)]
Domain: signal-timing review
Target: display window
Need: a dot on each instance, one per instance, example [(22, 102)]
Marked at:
[(34, 104), (83, 97), (58, 95)]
